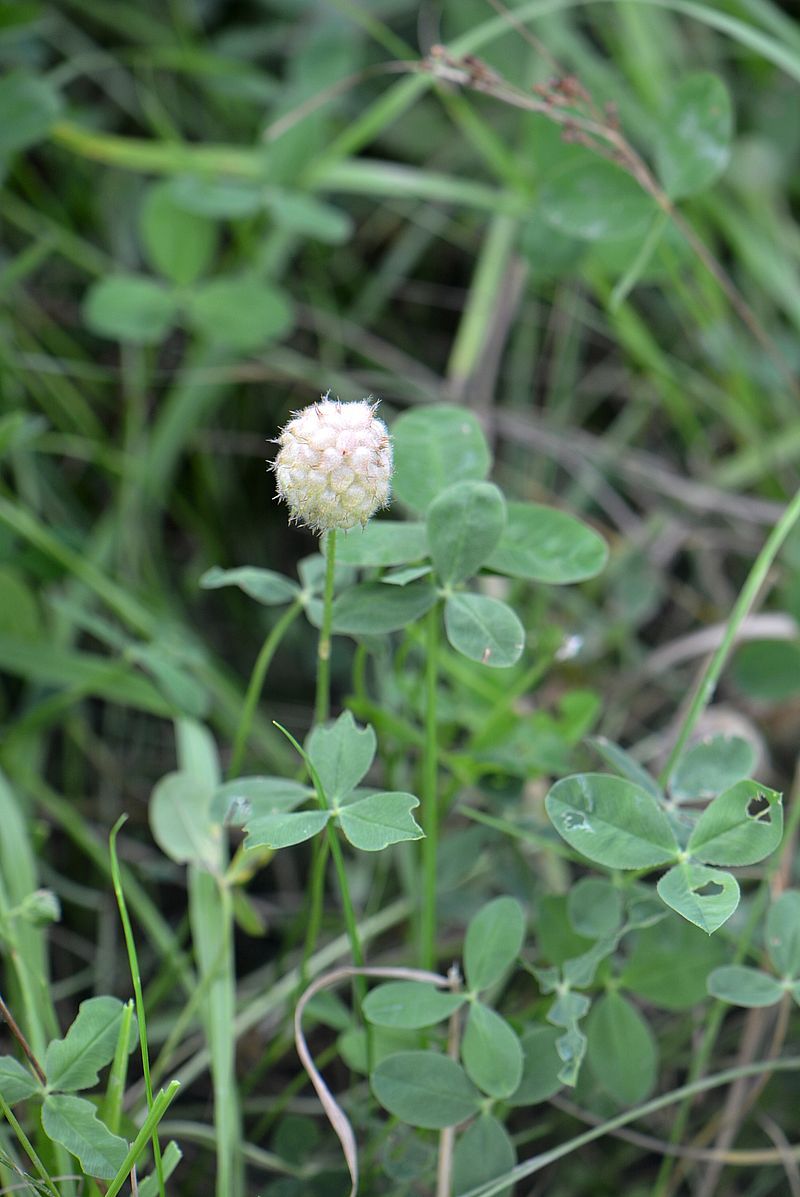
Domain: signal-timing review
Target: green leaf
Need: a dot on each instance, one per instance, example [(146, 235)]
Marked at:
[(768, 669), (402, 577), (149, 1186), (706, 897), (378, 820), (571, 1048), (218, 198), (433, 447), (596, 200), (464, 524), (783, 933), (550, 254), (612, 821), (594, 906), (362, 1050), (410, 1005), (484, 1152), (650, 971), (484, 629), (546, 545), (180, 820), (740, 827), (579, 972), (742, 986), (541, 1065), (341, 753), (264, 585), (621, 1051), (180, 688), (693, 144), (16, 1082), (74, 1062), (493, 941), (373, 609), (178, 244), (623, 763), (383, 542), (73, 1122), (304, 214), (30, 106), (425, 1090), (284, 830), (246, 798), (712, 766), (491, 1052), (131, 308), (240, 312)]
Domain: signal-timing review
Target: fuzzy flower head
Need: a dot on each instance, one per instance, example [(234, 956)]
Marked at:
[(334, 466)]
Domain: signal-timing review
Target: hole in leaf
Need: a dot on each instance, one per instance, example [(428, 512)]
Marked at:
[(758, 808), (710, 890)]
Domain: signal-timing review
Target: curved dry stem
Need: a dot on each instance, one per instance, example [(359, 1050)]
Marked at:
[(333, 1111)]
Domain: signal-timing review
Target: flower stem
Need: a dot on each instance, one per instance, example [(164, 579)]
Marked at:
[(741, 608), (323, 702), (430, 800), (316, 895), (256, 683)]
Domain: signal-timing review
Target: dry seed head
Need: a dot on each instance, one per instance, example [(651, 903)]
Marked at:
[(334, 466)]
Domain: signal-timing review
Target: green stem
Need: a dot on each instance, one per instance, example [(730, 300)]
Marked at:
[(256, 685), (315, 903), (741, 608), (347, 903), (430, 810), (137, 990), (323, 702)]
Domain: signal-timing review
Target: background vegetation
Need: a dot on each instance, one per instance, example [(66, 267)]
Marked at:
[(212, 213)]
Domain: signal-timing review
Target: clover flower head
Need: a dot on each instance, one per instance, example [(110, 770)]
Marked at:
[(334, 465)]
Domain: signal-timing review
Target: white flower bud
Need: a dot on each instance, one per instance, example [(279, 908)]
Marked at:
[(334, 466)]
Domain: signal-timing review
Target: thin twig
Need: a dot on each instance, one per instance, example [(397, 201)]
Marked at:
[(447, 1136), (14, 1028)]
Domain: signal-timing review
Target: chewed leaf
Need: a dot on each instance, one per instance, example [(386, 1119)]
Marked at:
[(612, 821), (740, 827), (706, 897), (341, 754), (378, 820)]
